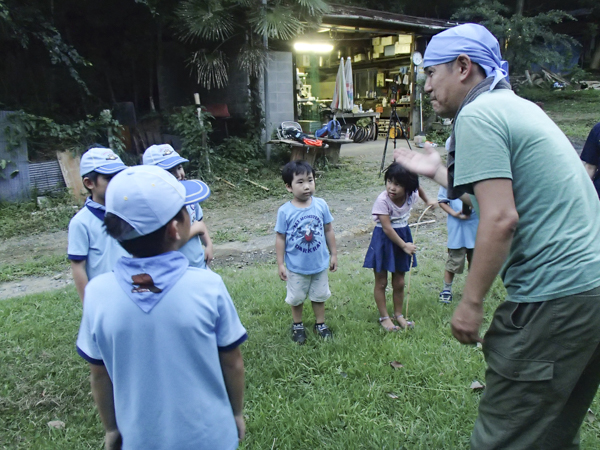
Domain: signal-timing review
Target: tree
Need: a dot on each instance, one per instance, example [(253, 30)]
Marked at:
[(23, 21), (244, 25), (525, 40)]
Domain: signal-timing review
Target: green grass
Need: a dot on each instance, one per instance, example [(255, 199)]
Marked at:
[(574, 111), (40, 266), (321, 395), (25, 218)]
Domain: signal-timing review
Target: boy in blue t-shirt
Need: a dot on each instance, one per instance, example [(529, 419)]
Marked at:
[(305, 240), (162, 338), (167, 158), (462, 229), (91, 250)]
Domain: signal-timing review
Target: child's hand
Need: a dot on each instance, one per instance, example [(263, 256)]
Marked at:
[(432, 203), (282, 272), (208, 254), (409, 248), (462, 216), (333, 263), (113, 440), (241, 425)]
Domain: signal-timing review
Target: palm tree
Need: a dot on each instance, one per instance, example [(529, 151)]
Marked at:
[(248, 23)]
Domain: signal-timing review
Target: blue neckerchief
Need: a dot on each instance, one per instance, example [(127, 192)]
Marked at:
[(96, 208), (147, 280)]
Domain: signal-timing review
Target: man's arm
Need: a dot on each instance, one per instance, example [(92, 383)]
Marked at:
[(232, 365), (280, 251), (590, 169), (80, 277), (498, 220), (428, 164), (102, 391), (331, 245)]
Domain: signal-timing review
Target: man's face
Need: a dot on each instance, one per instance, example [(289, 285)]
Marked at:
[(444, 88)]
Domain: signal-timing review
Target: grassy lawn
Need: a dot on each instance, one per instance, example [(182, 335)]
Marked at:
[(339, 395), (38, 266), (574, 111)]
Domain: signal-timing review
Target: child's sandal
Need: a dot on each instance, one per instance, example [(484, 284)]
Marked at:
[(392, 328), (409, 325)]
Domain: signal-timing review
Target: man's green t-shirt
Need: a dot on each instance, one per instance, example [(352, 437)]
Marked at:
[(556, 247)]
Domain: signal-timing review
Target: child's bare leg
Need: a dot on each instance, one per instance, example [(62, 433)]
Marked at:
[(448, 277), (319, 310), (297, 313), (379, 293), (398, 297), (398, 293)]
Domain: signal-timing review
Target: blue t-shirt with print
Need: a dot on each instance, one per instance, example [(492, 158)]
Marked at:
[(193, 249), (306, 250), (89, 241)]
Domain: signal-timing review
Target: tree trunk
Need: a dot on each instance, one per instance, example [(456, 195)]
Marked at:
[(519, 8), (595, 64)]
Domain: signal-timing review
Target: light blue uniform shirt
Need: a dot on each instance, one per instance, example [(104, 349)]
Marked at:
[(461, 233), (193, 250), (159, 339), (89, 241), (305, 245)]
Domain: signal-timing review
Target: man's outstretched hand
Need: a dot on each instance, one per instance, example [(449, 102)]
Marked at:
[(426, 164)]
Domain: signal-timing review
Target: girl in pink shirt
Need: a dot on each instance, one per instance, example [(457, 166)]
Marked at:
[(391, 247)]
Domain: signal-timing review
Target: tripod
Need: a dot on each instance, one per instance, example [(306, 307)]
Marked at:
[(394, 124)]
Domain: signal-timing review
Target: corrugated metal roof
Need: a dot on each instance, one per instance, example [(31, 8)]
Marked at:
[(46, 177), (363, 17)]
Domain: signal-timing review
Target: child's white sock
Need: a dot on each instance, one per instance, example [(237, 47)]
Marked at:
[(447, 287)]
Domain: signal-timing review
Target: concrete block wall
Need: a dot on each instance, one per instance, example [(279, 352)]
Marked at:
[(280, 90)]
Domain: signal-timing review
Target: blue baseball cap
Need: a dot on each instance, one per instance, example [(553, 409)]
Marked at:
[(162, 155), (148, 197), (101, 160)]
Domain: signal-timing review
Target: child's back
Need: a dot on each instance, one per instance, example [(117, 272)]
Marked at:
[(166, 372), (162, 338)]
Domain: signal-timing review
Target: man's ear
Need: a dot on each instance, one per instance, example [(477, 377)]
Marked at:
[(467, 67), (88, 183)]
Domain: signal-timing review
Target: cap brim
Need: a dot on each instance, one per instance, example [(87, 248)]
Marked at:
[(169, 163), (196, 191), (109, 169)]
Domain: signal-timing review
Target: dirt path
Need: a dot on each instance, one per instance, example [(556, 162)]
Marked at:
[(352, 224)]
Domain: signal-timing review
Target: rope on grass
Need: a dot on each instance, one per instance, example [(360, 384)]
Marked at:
[(412, 259)]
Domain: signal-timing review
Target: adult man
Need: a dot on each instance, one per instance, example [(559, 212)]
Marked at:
[(538, 217), (590, 155)]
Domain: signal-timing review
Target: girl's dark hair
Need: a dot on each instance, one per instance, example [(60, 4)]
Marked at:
[(152, 244), (298, 167), (399, 174)]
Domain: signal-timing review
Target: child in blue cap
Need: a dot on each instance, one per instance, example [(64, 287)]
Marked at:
[(162, 338), (165, 157), (91, 250)]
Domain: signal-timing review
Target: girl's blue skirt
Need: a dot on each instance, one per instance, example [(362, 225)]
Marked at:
[(384, 255)]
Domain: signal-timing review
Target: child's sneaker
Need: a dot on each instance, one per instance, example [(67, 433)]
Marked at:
[(445, 297), (323, 331), (298, 333)]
